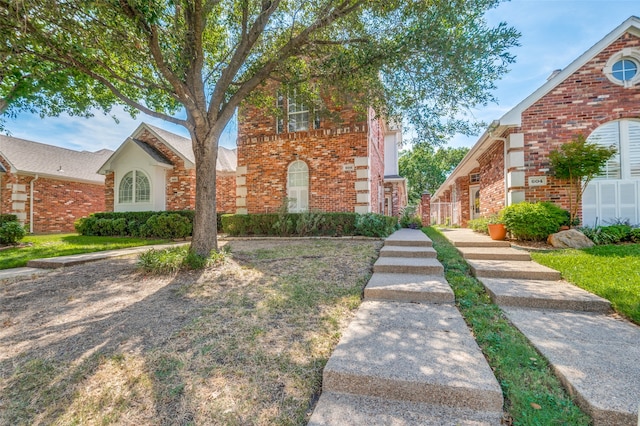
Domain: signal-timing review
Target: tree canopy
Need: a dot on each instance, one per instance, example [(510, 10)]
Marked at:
[(426, 168), (429, 61)]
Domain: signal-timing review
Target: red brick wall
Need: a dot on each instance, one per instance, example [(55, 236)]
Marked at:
[(5, 192), (462, 190), (376, 153), (492, 184), (267, 156), (226, 193), (584, 101), (57, 203), (425, 209), (109, 194)]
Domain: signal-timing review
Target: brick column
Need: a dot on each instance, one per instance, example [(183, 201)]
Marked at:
[(425, 204)]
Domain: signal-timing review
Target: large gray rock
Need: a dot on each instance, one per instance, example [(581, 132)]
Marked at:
[(570, 239)]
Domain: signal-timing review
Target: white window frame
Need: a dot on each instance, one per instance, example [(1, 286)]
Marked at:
[(135, 198), (629, 54), (298, 115), (298, 187), (627, 157)]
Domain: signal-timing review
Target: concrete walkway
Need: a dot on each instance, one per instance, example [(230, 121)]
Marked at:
[(43, 266), (408, 357), (596, 355)]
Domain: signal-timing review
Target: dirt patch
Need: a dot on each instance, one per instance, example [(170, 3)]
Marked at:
[(241, 343)]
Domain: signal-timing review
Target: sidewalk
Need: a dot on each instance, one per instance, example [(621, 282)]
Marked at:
[(44, 266), (595, 355), (408, 357)]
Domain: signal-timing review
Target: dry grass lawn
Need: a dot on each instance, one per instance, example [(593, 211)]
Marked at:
[(243, 343)]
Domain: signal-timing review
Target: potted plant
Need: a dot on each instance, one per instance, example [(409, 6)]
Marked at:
[(497, 230)]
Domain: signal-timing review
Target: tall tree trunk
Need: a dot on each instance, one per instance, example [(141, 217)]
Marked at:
[(205, 232)]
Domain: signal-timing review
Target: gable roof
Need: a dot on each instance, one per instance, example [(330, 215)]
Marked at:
[(34, 158), (181, 146), (513, 117)]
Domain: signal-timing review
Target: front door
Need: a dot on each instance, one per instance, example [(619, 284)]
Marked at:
[(474, 202)]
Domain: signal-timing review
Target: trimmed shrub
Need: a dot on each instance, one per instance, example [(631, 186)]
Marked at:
[(307, 224), (337, 224), (8, 218), (479, 224), (634, 235), (534, 221), (122, 224), (11, 232), (375, 225), (167, 226)]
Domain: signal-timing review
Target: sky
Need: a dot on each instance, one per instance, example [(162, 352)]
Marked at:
[(553, 34)]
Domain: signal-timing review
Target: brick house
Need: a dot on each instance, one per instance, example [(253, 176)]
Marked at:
[(598, 96), (154, 169), (348, 163), (49, 187)]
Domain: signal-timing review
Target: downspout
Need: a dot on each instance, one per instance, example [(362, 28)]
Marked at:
[(31, 203)]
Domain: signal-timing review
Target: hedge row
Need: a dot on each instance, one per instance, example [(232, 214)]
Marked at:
[(179, 224), (165, 224), (309, 224)]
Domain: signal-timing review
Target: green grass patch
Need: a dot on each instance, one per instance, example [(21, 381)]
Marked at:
[(43, 246), (610, 271), (533, 395), (171, 260)]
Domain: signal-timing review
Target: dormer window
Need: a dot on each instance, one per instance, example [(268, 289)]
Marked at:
[(623, 68), (295, 115)]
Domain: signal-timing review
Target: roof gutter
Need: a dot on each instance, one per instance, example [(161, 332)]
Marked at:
[(471, 155)]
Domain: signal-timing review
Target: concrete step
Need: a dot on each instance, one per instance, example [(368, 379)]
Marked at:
[(597, 358), (79, 259), (408, 237), (335, 409), (512, 269), (400, 265), (408, 288), (412, 352), (463, 237), (493, 253), (21, 273), (407, 251), (540, 294)]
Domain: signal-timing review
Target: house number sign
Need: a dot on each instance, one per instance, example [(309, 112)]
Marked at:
[(537, 180)]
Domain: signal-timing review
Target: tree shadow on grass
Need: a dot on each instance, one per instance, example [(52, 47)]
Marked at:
[(141, 349), (59, 329)]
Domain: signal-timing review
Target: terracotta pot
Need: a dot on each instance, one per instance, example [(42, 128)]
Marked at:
[(497, 231)]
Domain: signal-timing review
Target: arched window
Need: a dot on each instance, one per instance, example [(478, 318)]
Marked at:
[(624, 135), (298, 186), (134, 188)]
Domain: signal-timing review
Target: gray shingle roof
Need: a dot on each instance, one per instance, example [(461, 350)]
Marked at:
[(227, 158), (38, 158), (154, 153)]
